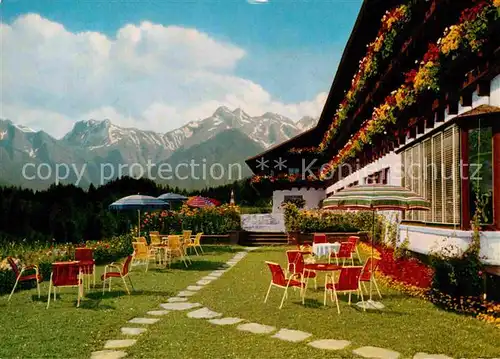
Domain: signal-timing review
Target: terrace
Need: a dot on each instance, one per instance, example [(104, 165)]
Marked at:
[(231, 282)]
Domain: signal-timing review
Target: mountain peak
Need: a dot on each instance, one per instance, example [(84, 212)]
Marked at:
[(222, 110)]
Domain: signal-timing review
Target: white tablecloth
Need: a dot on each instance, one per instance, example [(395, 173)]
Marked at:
[(325, 249)]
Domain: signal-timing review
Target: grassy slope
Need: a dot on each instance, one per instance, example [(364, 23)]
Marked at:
[(28, 330), (407, 325)]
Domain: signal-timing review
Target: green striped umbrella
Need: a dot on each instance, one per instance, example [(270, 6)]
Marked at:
[(376, 197)]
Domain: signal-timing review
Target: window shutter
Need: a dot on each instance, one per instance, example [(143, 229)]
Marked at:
[(451, 175), (428, 177), (437, 146)]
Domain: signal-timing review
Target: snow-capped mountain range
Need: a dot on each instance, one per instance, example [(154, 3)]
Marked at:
[(96, 142), (266, 130)]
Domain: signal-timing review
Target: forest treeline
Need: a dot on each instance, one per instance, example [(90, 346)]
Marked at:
[(66, 213)]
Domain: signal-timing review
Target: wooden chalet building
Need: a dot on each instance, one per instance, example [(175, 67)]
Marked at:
[(415, 102)]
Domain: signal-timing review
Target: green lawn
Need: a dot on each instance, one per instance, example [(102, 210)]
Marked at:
[(407, 325), (29, 330)]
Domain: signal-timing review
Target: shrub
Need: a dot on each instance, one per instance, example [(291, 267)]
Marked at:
[(209, 220), (299, 202), (317, 220)]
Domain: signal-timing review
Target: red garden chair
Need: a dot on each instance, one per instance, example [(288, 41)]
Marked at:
[(296, 266), (279, 280), (368, 274), (121, 271), (348, 282), (26, 277), (344, 252), (319, 238), (66, 274), (354, 241), (86, 258)]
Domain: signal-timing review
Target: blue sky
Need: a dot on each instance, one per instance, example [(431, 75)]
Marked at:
[(291, 48)]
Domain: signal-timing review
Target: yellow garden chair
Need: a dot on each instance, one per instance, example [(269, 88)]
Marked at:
[(175, 247), (196, 243), (142, 254), (155, 247)]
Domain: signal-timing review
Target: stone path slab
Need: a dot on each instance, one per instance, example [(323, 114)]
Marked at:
[(146, 321), (216, 275), (177, 299), (292, 335), (203, 313), (185, 293), (376, 353), (132, 331), (210, 278), (219, 271), (430, 356), (157, 313), (256, 328), (225, 321), (179, 306), (194, 288), (119, 343), (108, 354), (330, 344), (203, 282)]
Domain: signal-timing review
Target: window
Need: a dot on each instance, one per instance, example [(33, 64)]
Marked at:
[(293, 171), (380, 177), (481, 172), (431, 169), (293, 198), (355, 183)]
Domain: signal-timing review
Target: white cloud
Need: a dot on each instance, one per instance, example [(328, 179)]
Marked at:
[(149, 76)]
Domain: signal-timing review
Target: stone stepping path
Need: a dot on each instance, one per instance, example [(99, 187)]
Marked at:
[(119, 343), (292, 335), (225, 321), (330, 344), (376, 353), (108, 354), (203, 313), (147, 321), (203, 282), (216, 275), (256, 328), (218, 271), (180, 303), (177, 299), (157, 313), (132, 331), (431, 356), (179, 306), (194, 288)]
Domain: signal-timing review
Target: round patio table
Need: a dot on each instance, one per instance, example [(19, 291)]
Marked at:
[(325, 249), (320, 267)]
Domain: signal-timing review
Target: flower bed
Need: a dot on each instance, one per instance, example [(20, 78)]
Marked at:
[(209, 220), (44, 255), (411, 276), (392, 24)]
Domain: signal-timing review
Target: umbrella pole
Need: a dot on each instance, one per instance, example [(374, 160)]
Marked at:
[(139, 223), (371, 263)]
